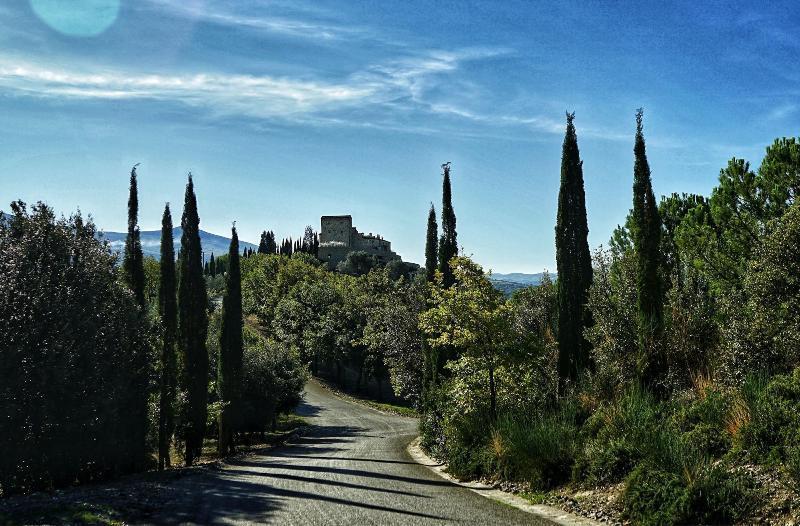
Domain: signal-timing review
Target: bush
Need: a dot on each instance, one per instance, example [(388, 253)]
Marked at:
[(654, 496), (704, 420), (74, 356), (719, 496), (621, 435), (774, 427), (272, 381), (714, 496), (537, 450)]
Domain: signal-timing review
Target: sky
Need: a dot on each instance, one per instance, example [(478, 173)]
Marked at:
[(284, 111)]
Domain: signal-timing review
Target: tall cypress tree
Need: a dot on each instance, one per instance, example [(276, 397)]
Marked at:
[(168, 311), (646, 233), (263, 246), (431, 250), (573, 262), (229, 364), (133, 262), (193, 326), (448, 246)]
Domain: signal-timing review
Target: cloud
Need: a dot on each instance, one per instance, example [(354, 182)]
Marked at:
[(268, 22), (246, 95), (383, 96)]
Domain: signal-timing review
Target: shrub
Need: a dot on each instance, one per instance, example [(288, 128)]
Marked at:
[(714, 495), (774, 427), (619, 436), (719, 496), (654, 496), (537, 450), (465, 440), (74, 356), (704, 421)]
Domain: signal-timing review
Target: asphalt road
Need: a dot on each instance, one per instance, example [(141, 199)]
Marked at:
[(351, 468)]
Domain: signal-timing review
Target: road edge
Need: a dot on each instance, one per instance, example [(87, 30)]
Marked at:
[(554, 515)]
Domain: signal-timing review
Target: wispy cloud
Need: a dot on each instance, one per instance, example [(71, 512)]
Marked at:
[(396, 86), (255, 96), (266, 20)]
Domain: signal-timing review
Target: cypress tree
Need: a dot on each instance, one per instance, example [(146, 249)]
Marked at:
[(168, 311), (573, 262), (263, 246), (133, 262), (646, 233), (431, 253), (448, 247), (212, 266), (229, 364), (193, 326), (272, 246)]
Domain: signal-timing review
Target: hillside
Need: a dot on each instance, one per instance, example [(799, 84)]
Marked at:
[(151, 242), (508, 283)]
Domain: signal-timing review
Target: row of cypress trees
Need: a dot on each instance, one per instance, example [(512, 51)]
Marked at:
[(438, 253), (574, 265), (183, 316)]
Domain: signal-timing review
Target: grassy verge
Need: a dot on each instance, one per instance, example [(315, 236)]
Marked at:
[(385, 407)]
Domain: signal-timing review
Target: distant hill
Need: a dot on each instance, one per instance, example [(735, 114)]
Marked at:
[(151, 242), (508, 283)]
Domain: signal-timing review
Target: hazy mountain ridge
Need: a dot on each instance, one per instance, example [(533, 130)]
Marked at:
[(151, 242), (508, 283)]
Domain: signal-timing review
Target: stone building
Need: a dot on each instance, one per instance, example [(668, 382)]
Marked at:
[(338, 237)]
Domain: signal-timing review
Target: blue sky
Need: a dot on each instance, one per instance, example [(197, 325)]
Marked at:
[(288, 110)]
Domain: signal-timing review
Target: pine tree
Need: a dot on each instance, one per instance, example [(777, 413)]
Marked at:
[(133, 262), (168, 311), (646, 233), (229, 365), (431, 250), (448, 246), (573, 262), (193, 326)]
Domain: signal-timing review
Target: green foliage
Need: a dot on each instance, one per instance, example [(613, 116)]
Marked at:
[(448, 244), (539, 450), (229, 365), (646, 234), (619, 436), (192, 327), (133, 260), (272, 381), (75, 356), (703, 421), (655, 497), (773, 432), (469, 319), (573, 262), (168, 315), (431, 250), (357, 264), (772, 286), (613, 335), (715, 496)]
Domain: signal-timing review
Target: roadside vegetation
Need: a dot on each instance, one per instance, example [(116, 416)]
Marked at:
[(662, 374), (661, 371)]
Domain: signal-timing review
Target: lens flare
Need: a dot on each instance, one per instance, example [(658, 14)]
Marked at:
[(78, 18)]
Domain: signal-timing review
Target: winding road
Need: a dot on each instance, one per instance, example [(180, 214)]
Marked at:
[(350, 468)]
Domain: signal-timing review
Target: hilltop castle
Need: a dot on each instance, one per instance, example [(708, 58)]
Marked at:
[(338, 237)]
